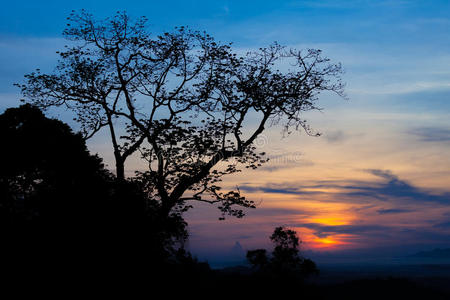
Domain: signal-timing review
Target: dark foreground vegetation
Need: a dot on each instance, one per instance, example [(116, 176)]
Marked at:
[(69, 225)]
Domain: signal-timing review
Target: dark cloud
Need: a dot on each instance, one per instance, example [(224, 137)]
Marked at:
[(339, 136), (393, 187), (389, 189), (274, 189), (431, 134), (393, 211), (323, 231), (336, 136), (386, 174)]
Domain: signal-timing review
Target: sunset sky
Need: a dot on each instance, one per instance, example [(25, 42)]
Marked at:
[(377, 178)]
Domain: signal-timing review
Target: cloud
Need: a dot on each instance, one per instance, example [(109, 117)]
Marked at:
[(335, 136), (431, 134), (386, 174), (391, 188), (324, 231), (275, 189), (393, 211)]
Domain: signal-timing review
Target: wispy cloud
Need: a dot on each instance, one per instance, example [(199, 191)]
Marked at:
[(431, 134), (274, 189), (324, 231), (390, 188), (336, 136), (393, 211)]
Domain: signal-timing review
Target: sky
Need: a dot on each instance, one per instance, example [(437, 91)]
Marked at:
[(376, 181)]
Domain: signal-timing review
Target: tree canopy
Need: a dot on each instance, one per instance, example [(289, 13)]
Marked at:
[(182, 101), (47, 174)]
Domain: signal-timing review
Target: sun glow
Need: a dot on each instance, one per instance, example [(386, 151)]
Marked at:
[(335, 241), (331, 242), (326, 241), (331, 221)]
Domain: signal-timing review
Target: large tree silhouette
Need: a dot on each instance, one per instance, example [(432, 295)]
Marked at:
[(181, 99), (55, 197), (62, 211), (48, 177)]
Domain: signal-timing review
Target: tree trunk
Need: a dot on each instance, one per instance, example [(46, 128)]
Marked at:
[(120, 169)]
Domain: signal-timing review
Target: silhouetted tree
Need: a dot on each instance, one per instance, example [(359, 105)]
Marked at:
[(54, 195), (258, 258), (285, 255), (182, 100), (60, 208), (285, 260), (47, 174)]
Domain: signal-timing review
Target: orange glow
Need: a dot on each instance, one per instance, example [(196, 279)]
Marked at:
[(326, 241), (331, 221), (331, 242)]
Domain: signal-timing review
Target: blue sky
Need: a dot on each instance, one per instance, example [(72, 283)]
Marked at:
[(384, 153)]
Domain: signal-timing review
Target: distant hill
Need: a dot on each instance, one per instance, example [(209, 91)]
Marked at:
[(436, 253)]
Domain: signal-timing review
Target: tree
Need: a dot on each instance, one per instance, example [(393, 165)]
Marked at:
[(182, 100), (48, 178), (55, 197), (285, 259), (285, 256), (61, 210), (258, 258)]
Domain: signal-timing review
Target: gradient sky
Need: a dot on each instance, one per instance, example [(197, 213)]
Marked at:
[(379, 176)]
